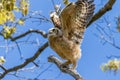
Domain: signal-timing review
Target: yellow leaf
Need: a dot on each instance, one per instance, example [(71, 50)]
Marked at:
[(24, 11), (8, 31), (16, 8), (10, 16), (12, 30), (8, 5), (21, 22), (111, 65), (24, 5), (2, 60), (3, 17), (1, 6), (104, 67)]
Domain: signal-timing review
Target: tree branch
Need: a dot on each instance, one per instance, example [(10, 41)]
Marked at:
[(31, 59), (108, 6), (2, 67), (28, 32), (75, 74), (69, 71)]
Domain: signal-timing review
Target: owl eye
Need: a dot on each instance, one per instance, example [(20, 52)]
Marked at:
[(55, 31)]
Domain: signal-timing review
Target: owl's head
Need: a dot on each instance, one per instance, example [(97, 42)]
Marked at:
[(55, 32)]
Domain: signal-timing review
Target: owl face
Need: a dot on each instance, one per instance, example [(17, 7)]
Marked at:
[(55, 32)]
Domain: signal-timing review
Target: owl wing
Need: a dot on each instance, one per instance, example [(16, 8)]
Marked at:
[(74, 19)]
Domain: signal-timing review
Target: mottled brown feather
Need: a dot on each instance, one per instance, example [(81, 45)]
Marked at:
[(74, 19), (65, 49)]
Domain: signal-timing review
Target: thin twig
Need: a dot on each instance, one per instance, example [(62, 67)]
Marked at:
[(21, 56), (3, 67), (108, 6)]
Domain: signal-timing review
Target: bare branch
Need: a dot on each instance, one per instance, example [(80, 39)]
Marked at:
[(28, 32), (43, 71), (112, 56), (2, 67), (31, 59), (69, 71), (108, 6), (110, 42), (75, 74)]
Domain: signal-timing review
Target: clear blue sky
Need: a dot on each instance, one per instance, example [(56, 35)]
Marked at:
[(93, 51)]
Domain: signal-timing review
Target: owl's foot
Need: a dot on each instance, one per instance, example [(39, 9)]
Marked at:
[(65, 66), (68, 66)]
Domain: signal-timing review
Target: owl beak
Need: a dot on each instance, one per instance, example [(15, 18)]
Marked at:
[(50, 31)]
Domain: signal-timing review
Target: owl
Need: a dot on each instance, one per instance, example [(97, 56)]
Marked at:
[(67, 39)]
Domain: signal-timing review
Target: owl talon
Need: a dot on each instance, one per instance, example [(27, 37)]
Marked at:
[(63, 66)]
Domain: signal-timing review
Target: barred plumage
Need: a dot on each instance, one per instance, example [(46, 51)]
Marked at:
[(66, 41), (74, 19)]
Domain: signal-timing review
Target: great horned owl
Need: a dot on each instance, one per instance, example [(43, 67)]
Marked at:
[(66, 41)]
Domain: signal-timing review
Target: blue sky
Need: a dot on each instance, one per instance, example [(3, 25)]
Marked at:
[(93, 51)]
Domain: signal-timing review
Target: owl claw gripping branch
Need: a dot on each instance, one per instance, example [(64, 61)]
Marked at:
[(67, 39)]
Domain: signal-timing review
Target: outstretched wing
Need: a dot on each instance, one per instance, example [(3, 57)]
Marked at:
[(74, 19)]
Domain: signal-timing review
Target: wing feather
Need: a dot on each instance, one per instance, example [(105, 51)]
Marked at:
[(74, 19)]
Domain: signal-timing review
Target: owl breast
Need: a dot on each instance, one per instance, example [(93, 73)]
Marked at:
[(64, 48)]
